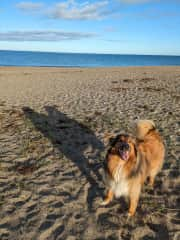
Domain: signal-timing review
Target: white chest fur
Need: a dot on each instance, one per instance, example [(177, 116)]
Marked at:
[(119, 185)]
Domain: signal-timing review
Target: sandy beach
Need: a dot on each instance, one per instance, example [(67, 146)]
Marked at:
[(54, 125)]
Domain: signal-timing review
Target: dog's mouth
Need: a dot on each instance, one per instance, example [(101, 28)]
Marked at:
[(124, 150), (124, 155)]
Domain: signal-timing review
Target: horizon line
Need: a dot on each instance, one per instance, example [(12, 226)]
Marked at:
[(58, 52)]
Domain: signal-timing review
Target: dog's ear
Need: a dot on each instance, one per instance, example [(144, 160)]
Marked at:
[(113, 150), (109, 138), (112, 140)]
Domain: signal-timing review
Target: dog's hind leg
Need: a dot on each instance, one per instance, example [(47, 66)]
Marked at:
[(152, 176), (151, 181), (108, 198), (155, 166)]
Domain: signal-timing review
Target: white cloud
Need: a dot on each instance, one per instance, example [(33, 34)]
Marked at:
[(20, 36), (70, 9), (29, 6)]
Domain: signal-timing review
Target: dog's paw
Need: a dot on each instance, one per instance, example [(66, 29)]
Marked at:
[(129, 218), (130, 215), (104, 203)]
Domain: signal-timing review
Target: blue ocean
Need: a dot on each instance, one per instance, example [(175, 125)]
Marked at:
[(26, 58)]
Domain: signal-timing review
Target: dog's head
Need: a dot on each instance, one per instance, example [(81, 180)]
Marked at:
[(123, 149)]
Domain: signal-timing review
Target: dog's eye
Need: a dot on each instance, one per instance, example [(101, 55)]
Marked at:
[(124, 146)]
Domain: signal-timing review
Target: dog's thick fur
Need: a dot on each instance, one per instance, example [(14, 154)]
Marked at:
[(131, 160)]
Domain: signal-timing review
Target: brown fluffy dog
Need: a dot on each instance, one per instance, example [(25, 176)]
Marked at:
[(130, 161)]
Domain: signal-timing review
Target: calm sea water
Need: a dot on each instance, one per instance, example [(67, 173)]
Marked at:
[(24, 58)]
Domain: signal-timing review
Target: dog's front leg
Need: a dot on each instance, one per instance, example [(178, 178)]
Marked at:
[(134, 198), (108, 198)]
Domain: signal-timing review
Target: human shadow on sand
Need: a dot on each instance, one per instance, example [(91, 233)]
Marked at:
[(71, 138)]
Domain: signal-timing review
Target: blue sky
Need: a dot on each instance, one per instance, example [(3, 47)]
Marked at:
[(117, 26)]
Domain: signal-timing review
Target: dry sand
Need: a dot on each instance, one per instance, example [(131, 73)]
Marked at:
[(53, 128)]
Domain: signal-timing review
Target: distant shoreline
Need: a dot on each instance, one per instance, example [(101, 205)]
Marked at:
[(85, 67)]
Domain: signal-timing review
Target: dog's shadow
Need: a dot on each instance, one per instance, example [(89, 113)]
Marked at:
[(71, 138)]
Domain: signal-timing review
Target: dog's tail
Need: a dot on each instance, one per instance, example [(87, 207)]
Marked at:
[(142, 128)]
